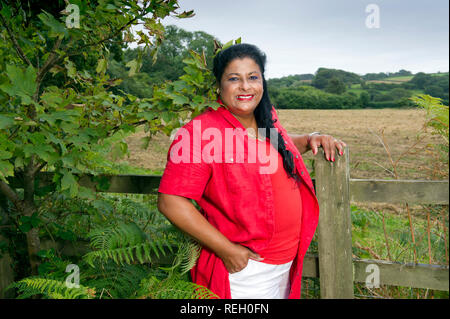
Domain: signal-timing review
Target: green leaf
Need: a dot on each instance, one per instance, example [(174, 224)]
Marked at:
[(4, 155), (101, 66), (111, 7), (186, 14), (71, 70), (119, 150), (86, 193), (56, 27), (44, 151), (67, 181), (214, 105), (6, 12), (179, 99), (74, 189), (6, 121), (6, 169), (35, 220), (23, 82)]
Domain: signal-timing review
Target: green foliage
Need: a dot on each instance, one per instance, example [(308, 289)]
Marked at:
[(324, 76), (133, 252), (56, 111), (335, 85), (437, 119), (152, 288), (61, 111), (369, 239), (364, 98), (437, 114), (51, 289), (125, 243), (169, 67), (308, 97), (394, 92), (186, 257)]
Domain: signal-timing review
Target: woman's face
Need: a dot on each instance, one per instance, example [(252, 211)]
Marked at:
[(241, 86)]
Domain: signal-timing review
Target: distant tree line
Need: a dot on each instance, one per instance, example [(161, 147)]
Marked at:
[(168, 64), (326, 89), (382, 75), (331, 89)]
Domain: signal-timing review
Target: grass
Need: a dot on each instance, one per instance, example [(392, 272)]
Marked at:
[(383, 233), (399, 78), (368, 231)]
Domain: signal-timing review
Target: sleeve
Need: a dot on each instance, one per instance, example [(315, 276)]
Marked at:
[(186, 174)]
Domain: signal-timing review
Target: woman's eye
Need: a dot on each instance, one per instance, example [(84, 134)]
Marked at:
[(233, 79), (254, 77)]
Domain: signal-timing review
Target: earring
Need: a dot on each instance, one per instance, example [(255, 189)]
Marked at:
[(218, 91)]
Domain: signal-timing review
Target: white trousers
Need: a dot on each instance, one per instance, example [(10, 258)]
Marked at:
[(261, 281)]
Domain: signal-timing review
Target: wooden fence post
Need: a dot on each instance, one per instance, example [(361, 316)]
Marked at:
[(335, 227)]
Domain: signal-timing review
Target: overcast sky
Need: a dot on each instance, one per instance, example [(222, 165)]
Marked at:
[(300, 36)]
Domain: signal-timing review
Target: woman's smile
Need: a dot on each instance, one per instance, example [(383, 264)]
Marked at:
[(247, 97)]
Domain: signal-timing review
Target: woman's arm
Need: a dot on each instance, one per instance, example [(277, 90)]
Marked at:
[(301, 142), (183, 214), (313, 141)]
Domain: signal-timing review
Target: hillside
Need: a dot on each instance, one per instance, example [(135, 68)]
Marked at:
[(339, 89)]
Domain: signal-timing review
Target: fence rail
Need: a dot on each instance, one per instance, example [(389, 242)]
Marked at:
[(335, 190)]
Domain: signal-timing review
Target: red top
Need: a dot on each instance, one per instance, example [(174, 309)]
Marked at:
[(225, 192), (283, 246)]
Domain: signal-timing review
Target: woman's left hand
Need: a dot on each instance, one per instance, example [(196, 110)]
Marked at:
[(329, 145)]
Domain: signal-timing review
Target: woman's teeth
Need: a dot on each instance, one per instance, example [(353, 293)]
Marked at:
[(245, 97)]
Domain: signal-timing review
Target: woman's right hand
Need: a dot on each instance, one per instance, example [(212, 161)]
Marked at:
[(236, 257), (183, 214)]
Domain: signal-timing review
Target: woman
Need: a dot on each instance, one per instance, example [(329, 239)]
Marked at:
[(254, 226)]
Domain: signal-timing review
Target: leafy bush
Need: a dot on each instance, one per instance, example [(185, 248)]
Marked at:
[(133, 251), (437, 115)]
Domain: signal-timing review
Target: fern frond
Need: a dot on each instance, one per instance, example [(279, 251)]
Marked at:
[(50, 288), (186, 256), (140, 253), (125, 244), (173, 288), (120, 236), (116, 281)]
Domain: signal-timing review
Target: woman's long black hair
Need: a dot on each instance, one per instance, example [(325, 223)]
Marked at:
[(263, 112)]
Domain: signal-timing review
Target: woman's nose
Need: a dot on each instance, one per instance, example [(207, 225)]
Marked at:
[(245, 85)]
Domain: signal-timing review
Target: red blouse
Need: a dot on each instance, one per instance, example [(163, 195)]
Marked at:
[(226, 192), (283, 246)]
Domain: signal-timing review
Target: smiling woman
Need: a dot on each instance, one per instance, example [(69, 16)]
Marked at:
[(254, 225), (241, 89)]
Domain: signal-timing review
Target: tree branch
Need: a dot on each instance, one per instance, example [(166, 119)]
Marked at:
[(9, 193), (15, 42), (113, 35), (38, 168), (51, 60)]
